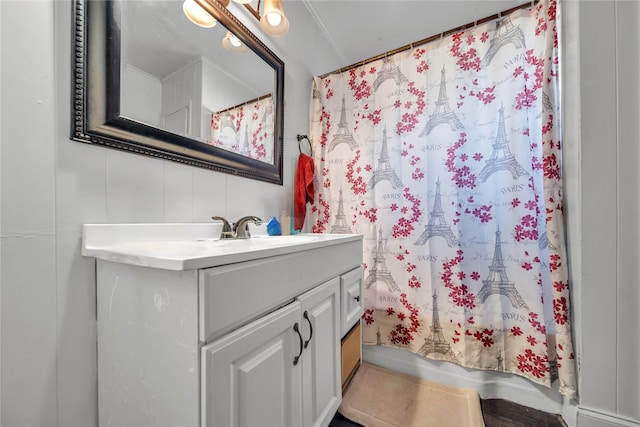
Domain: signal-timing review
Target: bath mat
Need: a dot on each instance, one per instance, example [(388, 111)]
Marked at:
[(379, 397)]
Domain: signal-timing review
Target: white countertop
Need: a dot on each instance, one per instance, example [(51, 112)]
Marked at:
[(186, 246)]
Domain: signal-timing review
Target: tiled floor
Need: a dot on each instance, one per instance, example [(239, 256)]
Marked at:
[(496, 413)]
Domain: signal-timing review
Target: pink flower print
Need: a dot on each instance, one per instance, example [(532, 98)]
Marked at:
[(560, 310), (531, 205), (414, 282), (367, 316), (519, 70), (417, 174), (559, 286), (529, 221)]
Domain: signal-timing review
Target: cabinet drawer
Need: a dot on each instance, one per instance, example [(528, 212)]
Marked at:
[(351, 297), (233, 295), (351, 355)]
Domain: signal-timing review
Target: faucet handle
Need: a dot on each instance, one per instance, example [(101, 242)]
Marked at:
[(227, 231)]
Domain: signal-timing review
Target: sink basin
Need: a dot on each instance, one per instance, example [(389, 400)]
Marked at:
[(265, 240), (191, 246)]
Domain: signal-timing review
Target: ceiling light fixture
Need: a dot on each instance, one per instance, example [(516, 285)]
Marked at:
[(233, 44), (197, 14), (272, 21)]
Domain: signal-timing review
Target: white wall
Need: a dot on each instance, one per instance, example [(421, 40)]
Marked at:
[(28, 264), (609, 236), (50, 185), (140, 96)]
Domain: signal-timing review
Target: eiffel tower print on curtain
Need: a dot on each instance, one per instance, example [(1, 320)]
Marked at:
[(227, 122), (341, 226), (389, 70), (246, 148), (501, 158), (505, 33), (343, 135), (497, 282), (443, 114), (435, 343), (379, 272), (384, 171), (437, 224)]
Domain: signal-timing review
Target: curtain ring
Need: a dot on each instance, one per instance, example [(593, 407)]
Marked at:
[(300, 138)]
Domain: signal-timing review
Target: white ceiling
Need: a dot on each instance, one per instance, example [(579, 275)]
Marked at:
[(360, 29), (355, 29)]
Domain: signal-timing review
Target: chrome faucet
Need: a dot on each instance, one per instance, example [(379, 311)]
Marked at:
[(241, 227), (239, 230), (227, 231)]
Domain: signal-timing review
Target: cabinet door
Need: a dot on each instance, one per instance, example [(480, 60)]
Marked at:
[(321, 372), (351, 288), (249, 378)]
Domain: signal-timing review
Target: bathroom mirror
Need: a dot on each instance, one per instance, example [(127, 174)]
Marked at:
[(148, 81)]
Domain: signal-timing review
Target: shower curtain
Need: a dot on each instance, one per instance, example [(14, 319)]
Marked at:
[(447, 158)]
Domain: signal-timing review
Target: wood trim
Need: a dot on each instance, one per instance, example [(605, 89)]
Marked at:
[(351, 355)]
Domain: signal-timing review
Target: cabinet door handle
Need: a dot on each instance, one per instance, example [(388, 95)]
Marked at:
[(357, 298), (306, 316), (297, 358)]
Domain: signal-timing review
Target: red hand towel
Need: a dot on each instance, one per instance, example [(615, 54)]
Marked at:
[(303, 192)]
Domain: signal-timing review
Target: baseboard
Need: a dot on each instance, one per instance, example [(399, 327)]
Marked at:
[(594, 418), (488, 384)]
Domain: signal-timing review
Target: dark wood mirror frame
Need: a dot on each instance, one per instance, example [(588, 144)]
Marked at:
[(96, 115)]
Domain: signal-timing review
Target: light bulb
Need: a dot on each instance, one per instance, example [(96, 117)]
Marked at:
[(234, 41), (197, 14), (274, 19), (233, 44)]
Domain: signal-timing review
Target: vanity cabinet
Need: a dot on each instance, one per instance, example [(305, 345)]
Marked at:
[(281, 370), (217, 346)]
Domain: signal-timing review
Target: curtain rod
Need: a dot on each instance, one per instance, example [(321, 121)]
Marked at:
[(434, 37), (251, 101)]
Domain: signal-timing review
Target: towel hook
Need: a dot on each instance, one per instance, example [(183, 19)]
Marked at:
[(300, 138)]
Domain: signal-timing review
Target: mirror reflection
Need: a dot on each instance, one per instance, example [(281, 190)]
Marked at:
[(179, 77)]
